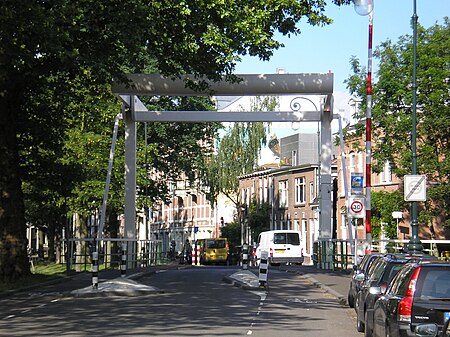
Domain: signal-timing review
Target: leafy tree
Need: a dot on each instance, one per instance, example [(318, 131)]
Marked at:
[(238, 152), (259, 218), (383, 204), (53, 43), (392, 112), (174, 149), (232, 231)]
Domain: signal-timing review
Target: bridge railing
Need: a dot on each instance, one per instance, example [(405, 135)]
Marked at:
[(77, 254), (336, 254)]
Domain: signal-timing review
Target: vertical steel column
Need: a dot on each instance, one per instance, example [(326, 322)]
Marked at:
[(325, 224), (130, 179), (325, 175)]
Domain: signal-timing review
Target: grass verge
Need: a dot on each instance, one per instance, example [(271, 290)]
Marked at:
[(43, 272)]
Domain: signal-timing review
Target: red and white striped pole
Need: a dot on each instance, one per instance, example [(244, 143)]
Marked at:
[(369, 138), (194, 255), (365, 7)]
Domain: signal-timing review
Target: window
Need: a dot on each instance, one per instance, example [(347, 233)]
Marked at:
[(386, 175), (266, 189), (294, 158), (351, 164), (215, 244), (261, 191), (312, 191), (283, 193), (300, 190), (286, 238)]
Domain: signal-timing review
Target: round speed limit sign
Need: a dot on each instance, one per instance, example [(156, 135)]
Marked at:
[(356, 208)]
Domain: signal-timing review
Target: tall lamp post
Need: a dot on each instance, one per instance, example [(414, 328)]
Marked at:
[(365, 7), (414, 244)]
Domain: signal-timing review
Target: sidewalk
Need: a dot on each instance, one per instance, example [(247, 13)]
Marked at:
[(335, 283)]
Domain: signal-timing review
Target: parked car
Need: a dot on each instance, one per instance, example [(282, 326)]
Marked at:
[(419, 296), (213, 250), (283, 246), (381, 273), (359, 275)]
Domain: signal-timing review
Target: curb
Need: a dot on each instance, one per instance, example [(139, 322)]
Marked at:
[(341, 298), (240, 284)]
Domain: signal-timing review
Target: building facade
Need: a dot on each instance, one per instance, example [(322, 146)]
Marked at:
[(292, 192)]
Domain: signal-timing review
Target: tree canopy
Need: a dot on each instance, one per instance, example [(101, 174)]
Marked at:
[(237, 152), (57, 58), (392, 112)]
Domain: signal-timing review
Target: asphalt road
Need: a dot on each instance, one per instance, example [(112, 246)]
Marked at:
[(191, 302)]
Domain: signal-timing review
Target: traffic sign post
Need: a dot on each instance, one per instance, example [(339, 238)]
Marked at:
[(356, 208), (415, 187), (357, 183)]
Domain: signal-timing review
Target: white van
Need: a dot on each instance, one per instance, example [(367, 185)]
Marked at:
[(283, 246)]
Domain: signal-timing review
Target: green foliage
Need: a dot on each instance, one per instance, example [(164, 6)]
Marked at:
[(56, 112), (383, 204), (232, 231), (173, 149), (392, 112), (238, 152), (258, 218)]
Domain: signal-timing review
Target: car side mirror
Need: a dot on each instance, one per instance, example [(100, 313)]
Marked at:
[(375, 290), (426, 330), (360, 277)]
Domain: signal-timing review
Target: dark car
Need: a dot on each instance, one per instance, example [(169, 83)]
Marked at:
[(419, 296), (381, 273), (359, 275)]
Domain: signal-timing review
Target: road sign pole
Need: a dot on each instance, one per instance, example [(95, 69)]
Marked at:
[(414, 245)]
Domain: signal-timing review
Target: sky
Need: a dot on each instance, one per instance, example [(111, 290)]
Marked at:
[(330, 48)]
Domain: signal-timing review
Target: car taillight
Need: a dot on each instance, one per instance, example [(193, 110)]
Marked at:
[(405, 305), (271, 252), (383, 288), (302, 251)]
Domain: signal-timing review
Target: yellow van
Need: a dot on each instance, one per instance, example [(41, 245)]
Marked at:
[(213, 250)]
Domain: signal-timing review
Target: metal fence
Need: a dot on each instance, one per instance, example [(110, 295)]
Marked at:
[(342, 254), (329, 254), (139, 253)]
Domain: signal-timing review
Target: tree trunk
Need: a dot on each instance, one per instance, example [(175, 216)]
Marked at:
[(81, 247), (14, 262), (51, 234), (113, 230)]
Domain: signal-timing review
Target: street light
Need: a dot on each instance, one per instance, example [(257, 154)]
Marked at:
[(397, 216), (365, 7), (414, 245)]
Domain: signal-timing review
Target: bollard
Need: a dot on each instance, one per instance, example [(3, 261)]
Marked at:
[(94, 270), (197, 252), (245, 256), (193, 255), (263, 269), (123, 262)]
